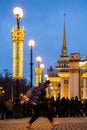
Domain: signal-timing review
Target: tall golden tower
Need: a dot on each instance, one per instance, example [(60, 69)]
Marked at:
[(18, 34)]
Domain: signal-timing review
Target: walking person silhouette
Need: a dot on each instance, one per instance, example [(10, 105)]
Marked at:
[(38, 103)]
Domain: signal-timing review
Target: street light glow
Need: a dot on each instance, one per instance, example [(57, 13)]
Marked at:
[(31, 43), (39, 59), (46, 76), (18, 12), (42, 66)]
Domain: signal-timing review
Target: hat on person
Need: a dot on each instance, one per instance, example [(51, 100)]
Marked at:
[(47, 82)]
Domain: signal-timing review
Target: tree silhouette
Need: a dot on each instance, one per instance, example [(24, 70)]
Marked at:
[(9, 85)]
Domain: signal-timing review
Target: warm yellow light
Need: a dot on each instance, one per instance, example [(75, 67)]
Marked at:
[(82, 63), (46, 76), (51, 87), (0, 87), (31, 43), (3, 92), (39, 59), (21, 94), (18, 60), (18, 12), (42, 66)]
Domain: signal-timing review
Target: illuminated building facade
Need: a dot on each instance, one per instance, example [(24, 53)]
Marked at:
[(69, 82), (69, 77)]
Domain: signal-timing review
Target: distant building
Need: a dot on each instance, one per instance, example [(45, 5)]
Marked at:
[(69, 77)]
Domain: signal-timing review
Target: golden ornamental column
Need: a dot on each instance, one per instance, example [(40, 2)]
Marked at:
[(39, 71), (18, 35)]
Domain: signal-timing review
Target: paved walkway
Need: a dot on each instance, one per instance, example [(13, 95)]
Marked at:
[(44, 124)]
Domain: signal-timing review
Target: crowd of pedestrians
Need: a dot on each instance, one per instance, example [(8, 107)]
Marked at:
[(64, 107)]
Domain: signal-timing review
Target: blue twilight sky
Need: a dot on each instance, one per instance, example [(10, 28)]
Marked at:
[(43, 21)]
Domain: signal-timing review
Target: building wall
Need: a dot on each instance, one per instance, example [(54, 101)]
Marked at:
[(74, 84)]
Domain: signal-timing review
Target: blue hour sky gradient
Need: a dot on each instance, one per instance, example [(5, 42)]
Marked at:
[(44, 22)]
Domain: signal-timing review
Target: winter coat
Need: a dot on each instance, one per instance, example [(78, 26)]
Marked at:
[(39, 94)]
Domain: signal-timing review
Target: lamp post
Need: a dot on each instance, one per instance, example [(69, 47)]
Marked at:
[(38, 71), (38, 59), (19, 14), (31, 44), (42, 66), (18, 34)]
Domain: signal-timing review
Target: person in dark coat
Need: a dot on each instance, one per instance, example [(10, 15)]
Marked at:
[(38, 103)]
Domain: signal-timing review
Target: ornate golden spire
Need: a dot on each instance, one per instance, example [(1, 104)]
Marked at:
[(64, 49), (63, 61)]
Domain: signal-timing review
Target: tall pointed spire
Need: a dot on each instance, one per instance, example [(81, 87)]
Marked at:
[(64, 49), (63, 61)]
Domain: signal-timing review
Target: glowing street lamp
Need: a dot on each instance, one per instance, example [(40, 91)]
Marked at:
[(42, 66), (31, 44), (19, 14), (38, 59), (18, 34), (46, 76), (38, 71)]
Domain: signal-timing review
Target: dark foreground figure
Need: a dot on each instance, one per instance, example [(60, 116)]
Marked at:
[(39, 104)]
